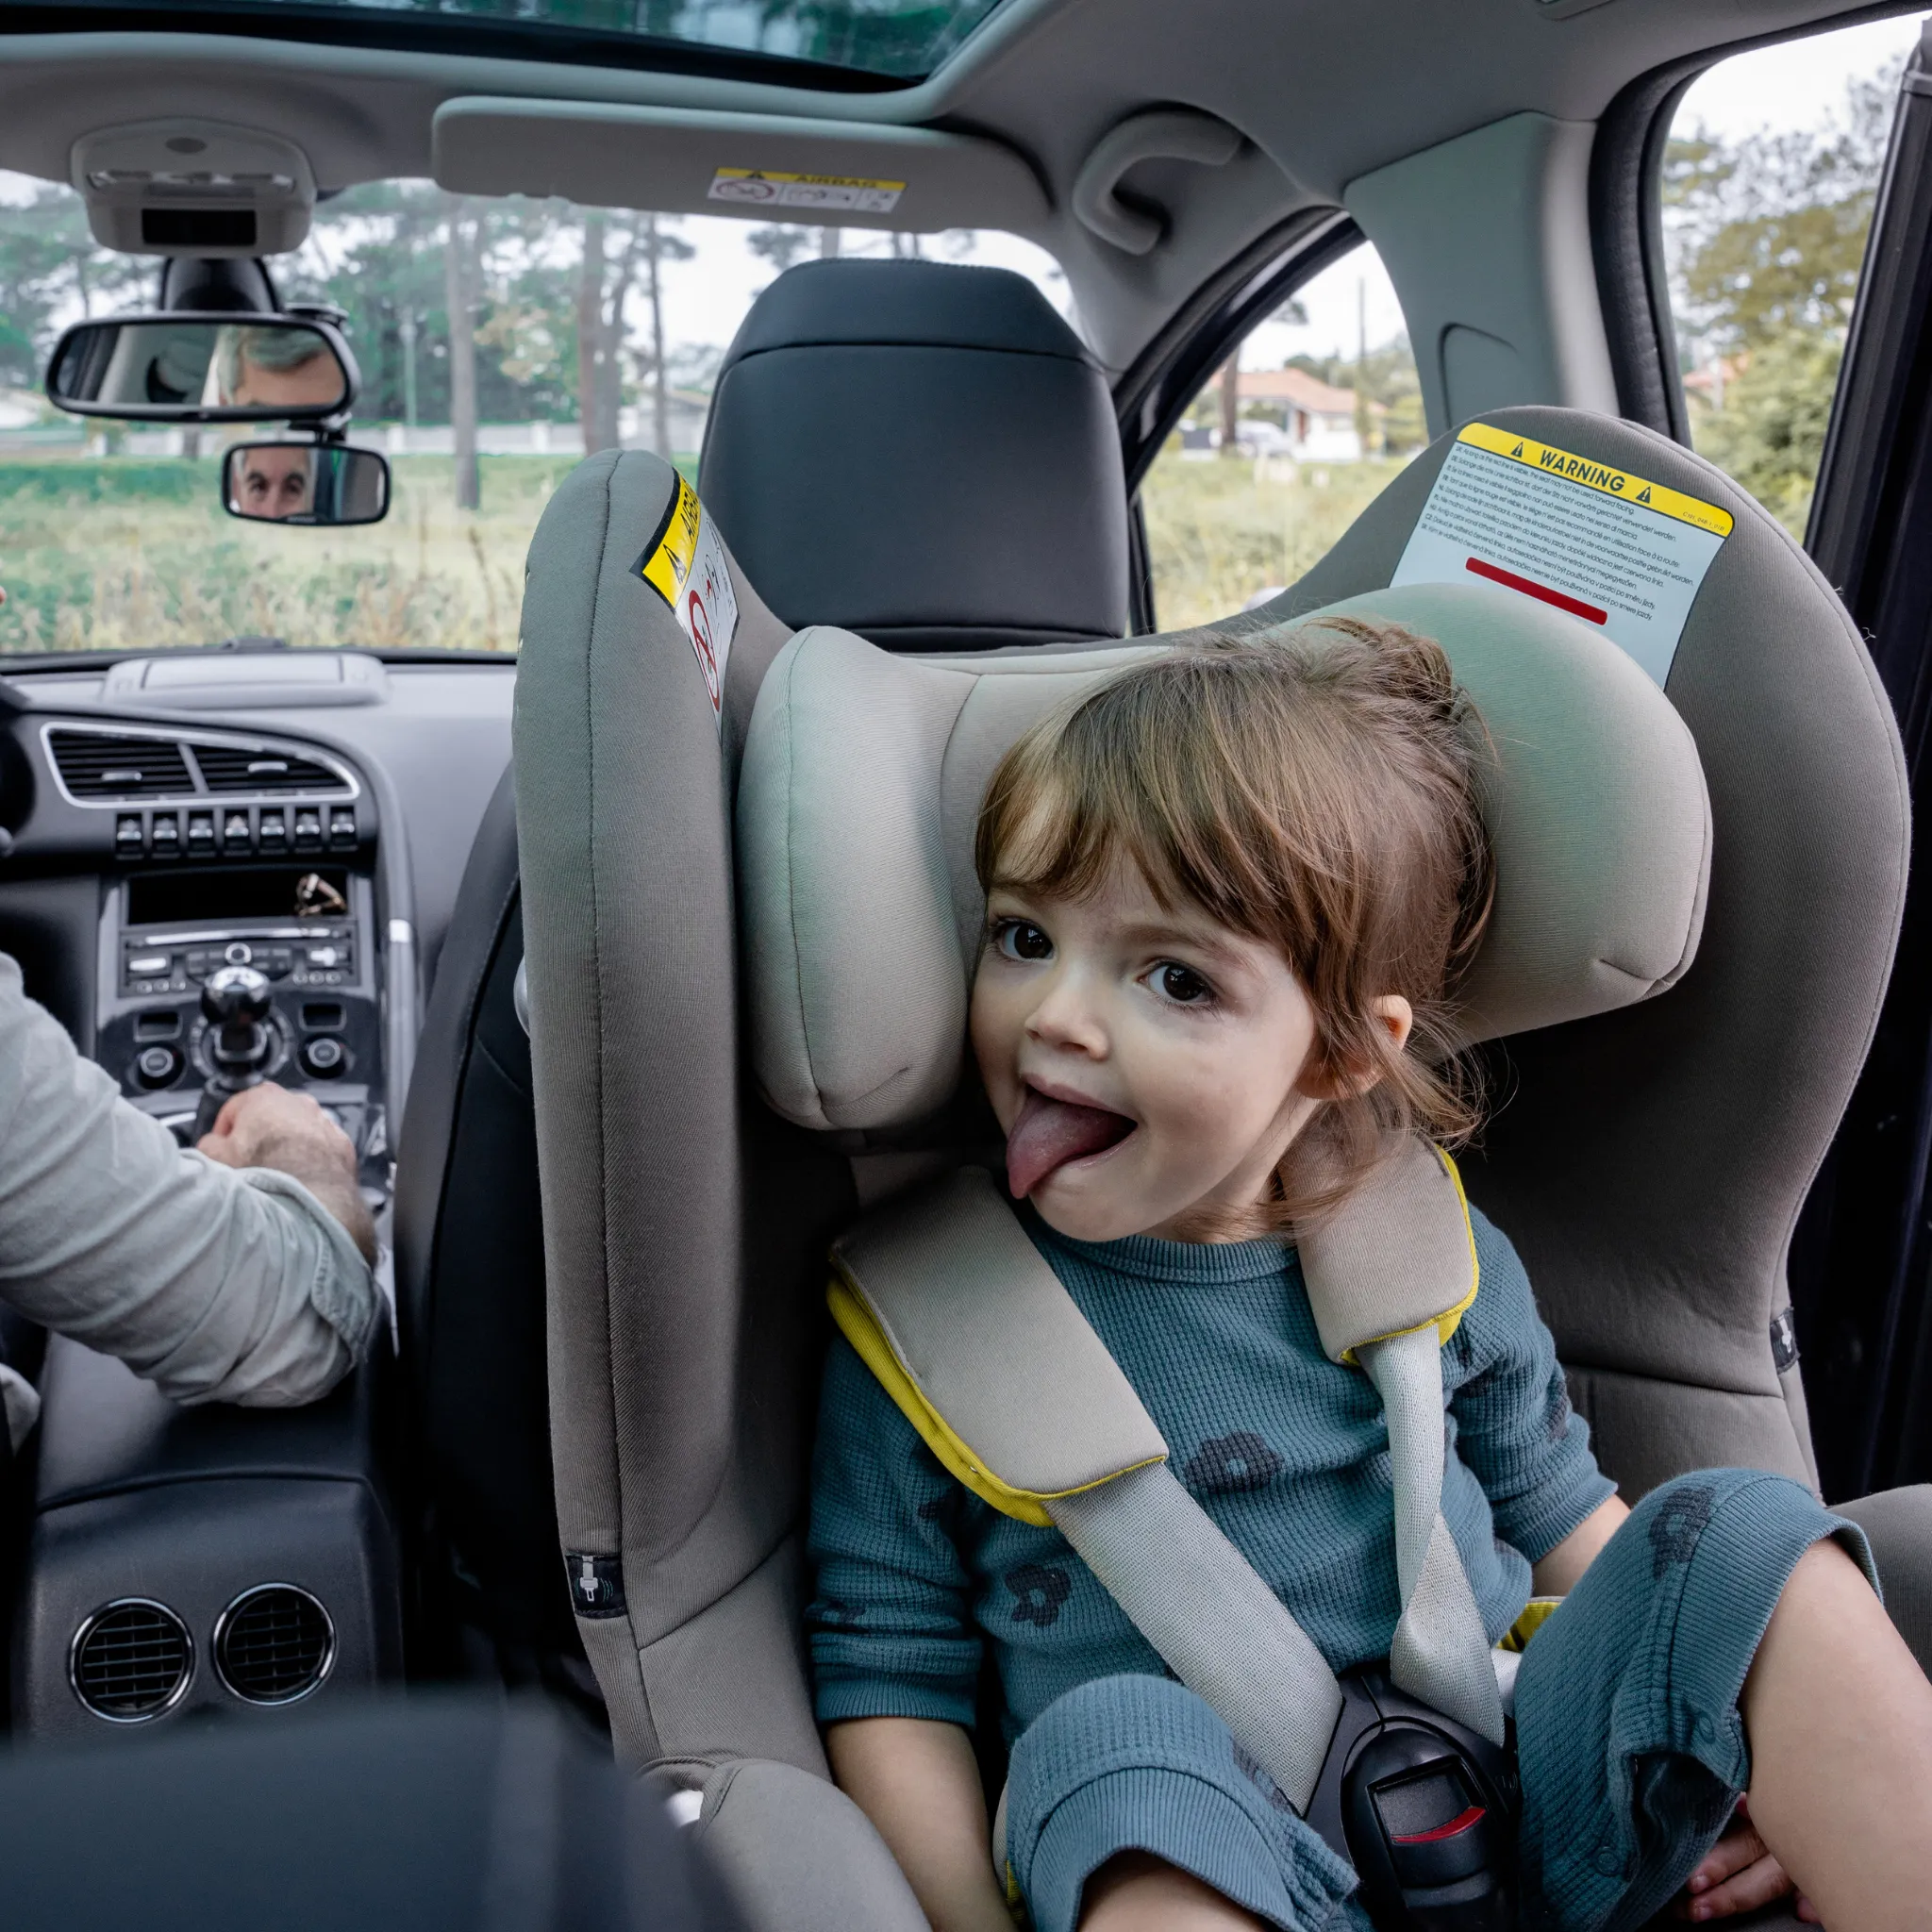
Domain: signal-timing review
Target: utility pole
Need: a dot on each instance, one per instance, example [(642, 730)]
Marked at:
[(829, 243), (1363, 422), (1231, 403)]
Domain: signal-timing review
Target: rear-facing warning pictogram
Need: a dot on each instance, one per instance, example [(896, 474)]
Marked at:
[(686, 567), (1619, 552), (761, 188)]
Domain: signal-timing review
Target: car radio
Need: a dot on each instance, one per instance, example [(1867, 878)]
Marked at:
[(306, 927)]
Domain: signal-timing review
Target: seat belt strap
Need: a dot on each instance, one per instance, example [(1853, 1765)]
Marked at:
[(1214, 1622), (1440, 1653)]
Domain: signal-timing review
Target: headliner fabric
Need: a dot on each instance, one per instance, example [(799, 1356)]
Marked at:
[(849, 379), (861, 787), (1650, 1163)]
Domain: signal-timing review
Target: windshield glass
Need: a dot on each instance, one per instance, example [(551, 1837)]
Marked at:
[(885, 40), (575, 330)]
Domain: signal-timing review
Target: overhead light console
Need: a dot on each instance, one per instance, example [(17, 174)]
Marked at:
[(195, 187)]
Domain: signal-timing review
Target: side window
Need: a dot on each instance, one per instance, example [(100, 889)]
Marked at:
[(1768, 185), (1280, 451)]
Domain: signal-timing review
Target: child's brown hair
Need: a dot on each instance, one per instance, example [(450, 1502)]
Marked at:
[(1315, 787)]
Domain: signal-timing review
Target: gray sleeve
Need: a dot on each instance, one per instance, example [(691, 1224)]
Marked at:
[(217, 1285)]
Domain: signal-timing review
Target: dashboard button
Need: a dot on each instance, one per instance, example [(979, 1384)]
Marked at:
[(272, 830), (157, 1066), (146, 964), (129, 840), (307, 829), (165, 840), (201, 831), (342, 828), (324, 1058), (234, 833), (240, 954), (324, 956)]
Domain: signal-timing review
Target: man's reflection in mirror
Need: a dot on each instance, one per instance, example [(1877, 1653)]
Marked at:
[(273, 481), (287, 367)]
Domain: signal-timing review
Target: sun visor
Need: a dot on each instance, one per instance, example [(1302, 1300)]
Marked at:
[(767, 166)]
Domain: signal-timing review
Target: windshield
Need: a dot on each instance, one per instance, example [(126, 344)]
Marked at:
[(860, 41), (575, 330)]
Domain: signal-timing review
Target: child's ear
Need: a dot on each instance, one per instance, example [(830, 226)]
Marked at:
[(1394, 1017)]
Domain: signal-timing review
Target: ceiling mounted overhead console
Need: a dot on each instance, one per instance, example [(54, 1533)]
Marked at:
[(1130, 222), (197, 187), (768, 167)]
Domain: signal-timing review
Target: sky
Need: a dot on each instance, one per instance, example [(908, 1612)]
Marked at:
[(1797, 85)]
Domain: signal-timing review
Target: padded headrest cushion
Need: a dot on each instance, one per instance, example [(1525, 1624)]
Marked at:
[(862, 780), (922, 453)]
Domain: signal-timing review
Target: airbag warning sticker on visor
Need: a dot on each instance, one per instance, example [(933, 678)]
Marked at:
[(686, 568), (762, 189), (1620, 553)]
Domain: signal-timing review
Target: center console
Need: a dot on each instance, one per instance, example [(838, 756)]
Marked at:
[(215, 1561)]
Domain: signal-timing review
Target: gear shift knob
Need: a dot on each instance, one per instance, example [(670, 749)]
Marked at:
[(235, 1000)]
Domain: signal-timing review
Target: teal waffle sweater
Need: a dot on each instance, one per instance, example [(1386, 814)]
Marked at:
[(1288, 1452)]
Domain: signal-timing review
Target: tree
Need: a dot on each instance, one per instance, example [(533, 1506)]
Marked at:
[(659, 247), (1765, 238), (459, 245), (781, 244)]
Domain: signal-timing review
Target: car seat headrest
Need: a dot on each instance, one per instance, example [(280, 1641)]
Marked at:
[(863, 775), (922, 453)]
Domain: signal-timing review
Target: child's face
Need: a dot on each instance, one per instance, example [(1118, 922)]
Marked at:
[(1145, 1064)]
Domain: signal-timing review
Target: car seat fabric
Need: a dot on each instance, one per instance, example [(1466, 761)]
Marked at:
[(1650, 1165), (676, 1230), (923, 453), (861, 789)]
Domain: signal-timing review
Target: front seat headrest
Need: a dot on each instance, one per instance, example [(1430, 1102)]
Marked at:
[(924, 454), (861, 785)]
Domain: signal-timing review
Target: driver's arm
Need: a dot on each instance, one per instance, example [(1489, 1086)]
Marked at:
[(217, 1285)]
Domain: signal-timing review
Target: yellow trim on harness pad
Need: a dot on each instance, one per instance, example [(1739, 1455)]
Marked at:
[(1450, 1319), (862, 1328)]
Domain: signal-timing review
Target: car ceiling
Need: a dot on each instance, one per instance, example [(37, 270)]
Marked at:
[(1324, 91)]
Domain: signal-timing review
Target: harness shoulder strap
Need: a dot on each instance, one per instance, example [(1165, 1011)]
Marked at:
[(980, 1345)]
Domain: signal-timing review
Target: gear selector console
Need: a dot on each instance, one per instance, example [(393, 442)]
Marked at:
[(212, 979)]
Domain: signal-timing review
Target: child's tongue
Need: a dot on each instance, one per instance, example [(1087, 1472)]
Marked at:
[(1050, 1133)]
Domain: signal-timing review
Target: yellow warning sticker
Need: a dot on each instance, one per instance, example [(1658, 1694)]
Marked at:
[(686, 567), (1594, 476), (763, 188)]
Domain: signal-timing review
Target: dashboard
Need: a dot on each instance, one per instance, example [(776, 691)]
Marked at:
[(304, 818)]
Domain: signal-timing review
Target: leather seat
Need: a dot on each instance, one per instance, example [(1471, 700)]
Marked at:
[(920, 453), (1650, 1164), (889, 441)]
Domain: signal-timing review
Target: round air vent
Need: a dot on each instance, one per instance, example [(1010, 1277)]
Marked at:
[(131, 1661), (273, 1643)]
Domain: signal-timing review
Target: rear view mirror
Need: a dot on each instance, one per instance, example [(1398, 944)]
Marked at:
[(326, 484), (203, 368)]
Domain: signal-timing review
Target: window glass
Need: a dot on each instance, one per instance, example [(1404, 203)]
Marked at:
[(1768, 187), (1281, 450), (587, 328)]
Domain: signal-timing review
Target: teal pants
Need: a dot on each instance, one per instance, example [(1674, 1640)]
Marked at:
[(1630, 1745)]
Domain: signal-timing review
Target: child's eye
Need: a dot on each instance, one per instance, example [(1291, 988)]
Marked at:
[(1180, 984), (1020, 939)]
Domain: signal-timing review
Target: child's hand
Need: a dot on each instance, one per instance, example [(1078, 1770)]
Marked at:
[(1739, 1875)]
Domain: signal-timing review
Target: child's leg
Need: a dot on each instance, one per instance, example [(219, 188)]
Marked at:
[(1840, 1719), (1128, 1804), (1633, 1748)]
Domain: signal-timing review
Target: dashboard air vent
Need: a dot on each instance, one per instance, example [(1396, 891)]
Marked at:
[(131, 1661), (98, 764), (274, 1644), (231, 768)]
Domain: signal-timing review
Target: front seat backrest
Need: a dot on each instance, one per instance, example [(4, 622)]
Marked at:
[(922, 453)]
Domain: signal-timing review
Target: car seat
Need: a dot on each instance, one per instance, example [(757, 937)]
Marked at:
[(922, 453), (1649, 1163), (846, 380)]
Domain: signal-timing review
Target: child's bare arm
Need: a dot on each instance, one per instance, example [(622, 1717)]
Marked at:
[(918, 1781), (1558, 1571)]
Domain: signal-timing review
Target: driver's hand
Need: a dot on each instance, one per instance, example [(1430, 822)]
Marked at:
[(1739, 1875), (266, 1126)]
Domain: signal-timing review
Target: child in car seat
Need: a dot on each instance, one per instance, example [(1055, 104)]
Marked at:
[(1228, 895)]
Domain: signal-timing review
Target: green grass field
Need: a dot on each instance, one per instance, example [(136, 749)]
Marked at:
[(132, 554)]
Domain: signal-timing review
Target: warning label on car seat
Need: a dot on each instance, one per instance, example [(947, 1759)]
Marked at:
[(1614, 549), (762, 189), (686, 568)]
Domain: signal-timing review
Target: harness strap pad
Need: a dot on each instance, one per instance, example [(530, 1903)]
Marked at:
[(1397, 1255), (972, 1334)]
